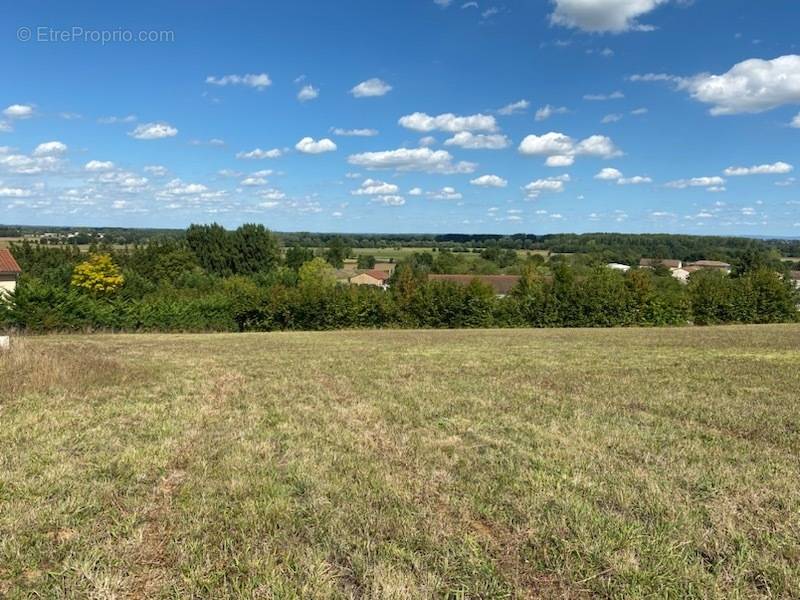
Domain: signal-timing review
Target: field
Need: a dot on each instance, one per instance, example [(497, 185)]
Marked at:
[(402, 464)]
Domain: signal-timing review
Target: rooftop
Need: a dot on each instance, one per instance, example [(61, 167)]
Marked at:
[(7, 262)]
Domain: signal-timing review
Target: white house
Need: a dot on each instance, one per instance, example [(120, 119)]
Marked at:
[(9, 271), (619, 267)]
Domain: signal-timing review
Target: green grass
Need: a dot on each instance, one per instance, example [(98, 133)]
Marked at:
[(403, 464)]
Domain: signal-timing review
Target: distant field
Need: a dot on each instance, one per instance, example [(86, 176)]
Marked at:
[(6, 242), (403, 464)]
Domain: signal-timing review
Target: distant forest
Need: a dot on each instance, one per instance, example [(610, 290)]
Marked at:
[(612, 246)]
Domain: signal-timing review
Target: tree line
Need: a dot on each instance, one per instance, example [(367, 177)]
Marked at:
[(214, 279)]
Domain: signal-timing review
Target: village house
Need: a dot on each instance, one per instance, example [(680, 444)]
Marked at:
[(501, 284), (372, 277), (794, 278), (9, 271), (618, 267), (715, 265)]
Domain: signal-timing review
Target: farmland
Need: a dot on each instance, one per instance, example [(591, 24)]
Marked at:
[(397, 464)]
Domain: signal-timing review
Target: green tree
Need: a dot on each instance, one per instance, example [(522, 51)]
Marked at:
[(297, 255), (337, 252), (317, 274), (365, 261)]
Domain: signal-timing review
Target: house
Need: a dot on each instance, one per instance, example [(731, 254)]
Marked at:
[(668, 263), (681, 275), (371, 277), (618, 267), (501, 284), (794, 278), (716, 265), (9, 271)]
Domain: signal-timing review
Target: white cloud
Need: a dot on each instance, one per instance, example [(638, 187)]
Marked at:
[(307, 92), (6, 192), (612, 118), (113, 120), (561, 149), (26, 165), (390, 200), (309, 145), (5, 127), (427, 140), (258, 81), (373, 187), (253, 181), (177, 187), (50, 149), (558, 160), (449, 122), (599, 16), (415, 191), (635, 180), (354, 132), (18, 111), (96, 166), (259, 154), (489, 181), (778, 168), (550, 184), (478, 141), (796, 121), (371, 88), (153, 131), (603, 97), (156, 170), (714, 181), (639, 111), (609, 174), (548, 111), (751, 86), (446, 193), (515, 107), (443, 3), (412, 159)]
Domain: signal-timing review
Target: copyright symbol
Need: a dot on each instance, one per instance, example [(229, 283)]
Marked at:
[(24, 34)]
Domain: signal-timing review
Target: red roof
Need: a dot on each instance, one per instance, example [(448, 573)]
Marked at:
[(7, 262), (379, 275)]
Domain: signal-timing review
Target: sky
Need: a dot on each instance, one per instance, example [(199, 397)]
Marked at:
[(427, 116)]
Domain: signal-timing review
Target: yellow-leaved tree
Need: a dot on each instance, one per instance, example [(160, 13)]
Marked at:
[(98, 275)]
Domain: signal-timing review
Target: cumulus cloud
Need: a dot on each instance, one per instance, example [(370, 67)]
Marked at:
[(156, 170), (778, 168), (561, 150), (259, 154), (611, 118), (373, 187), (609, 174), (751, 86), (489, 181), (551, 184), (707, 182), (449, 122), (27, 165), (371, 88), (18, 111), (446, 193), (548, 111), (354, 132), (601, 16), (412, 159), (415, 191), (96, 166), (153, 131), (307, 92), (258, 81), (514, 108), (177, 187), (635, 180), (478, 141), (309, 145), (50, 149), (389, 200), (795, 122)]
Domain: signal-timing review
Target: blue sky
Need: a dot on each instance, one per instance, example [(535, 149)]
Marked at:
[(414, 116)]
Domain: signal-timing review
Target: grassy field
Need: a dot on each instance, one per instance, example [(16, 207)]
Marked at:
[(403, 464)]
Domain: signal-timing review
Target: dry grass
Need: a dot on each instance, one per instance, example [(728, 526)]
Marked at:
[(475, 464)]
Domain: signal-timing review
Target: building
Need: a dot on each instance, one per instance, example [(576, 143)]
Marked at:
[(668, 263), (794, 278), (372, 277), (715, 265), (9, 271), (618, 267), (501, 284), (681, 275)]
